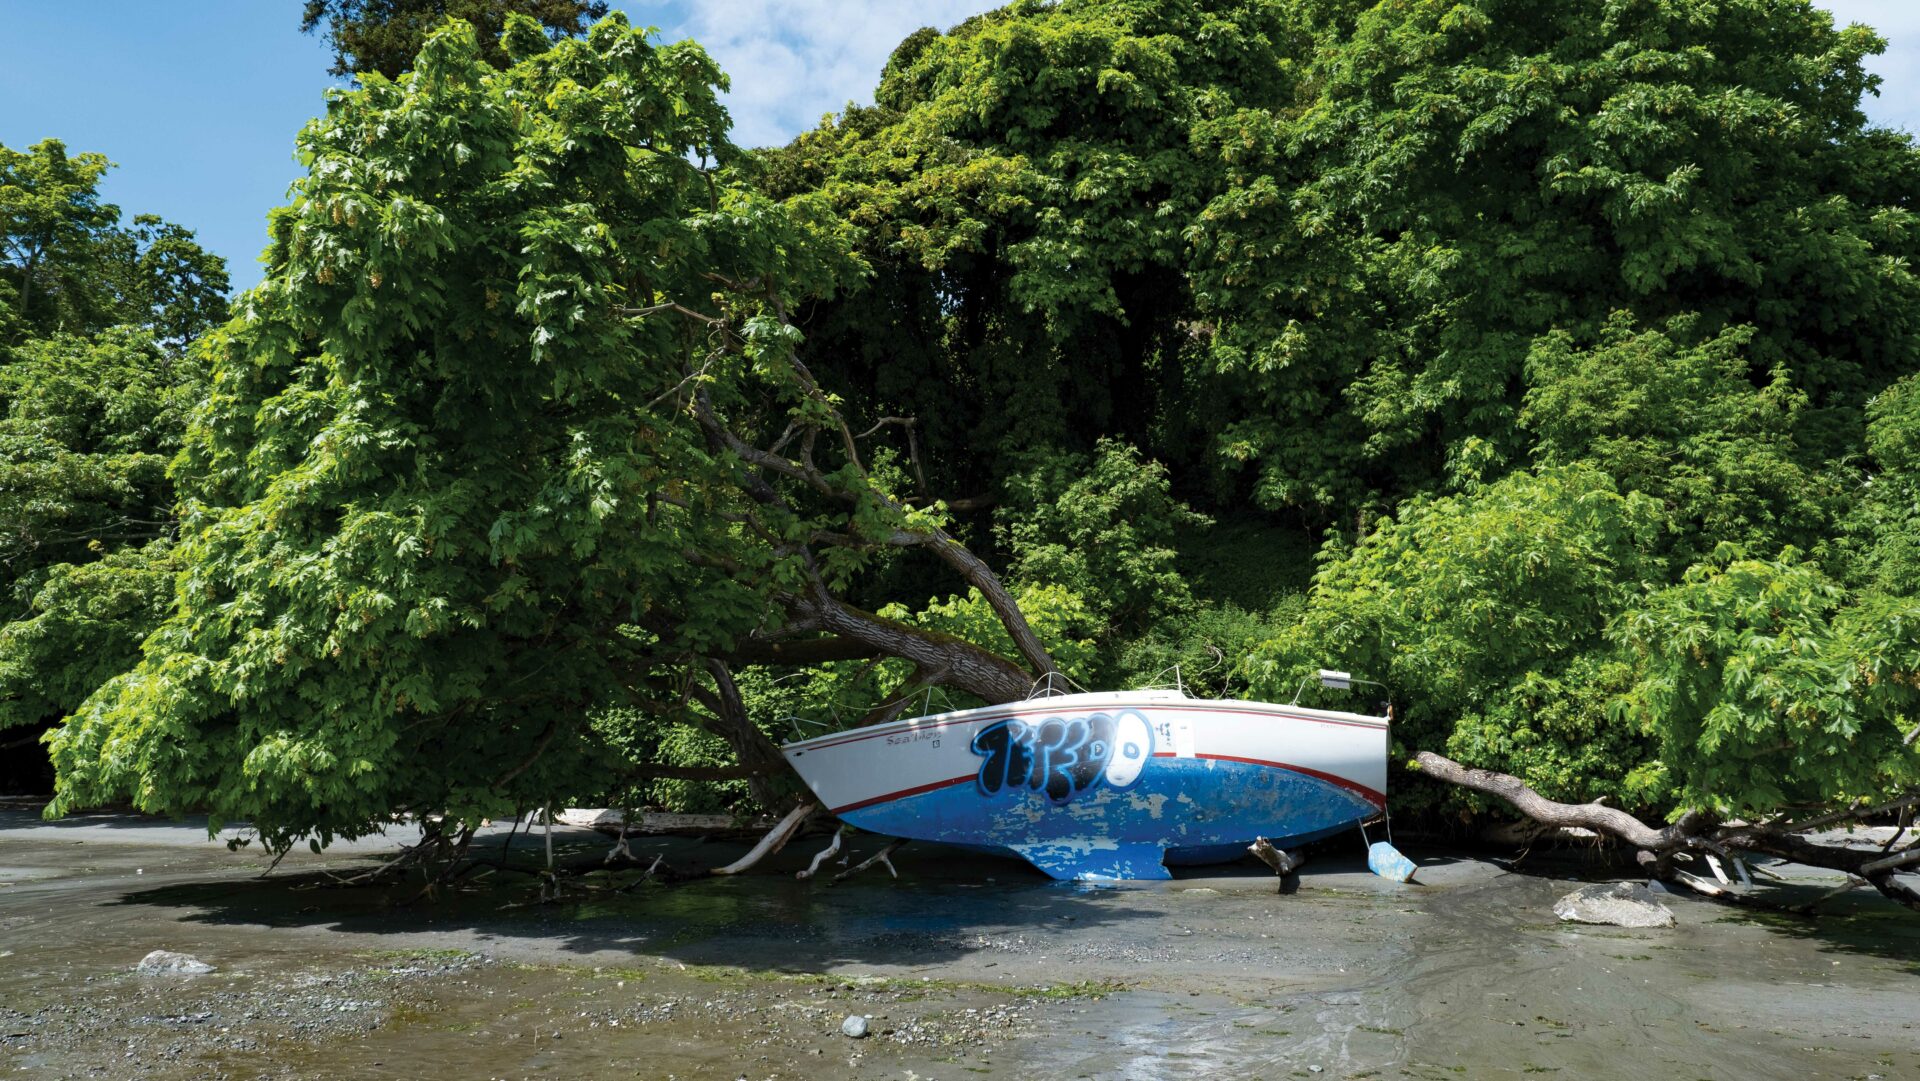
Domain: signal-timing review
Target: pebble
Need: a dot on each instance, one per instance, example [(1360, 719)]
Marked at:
[(854, 1026)]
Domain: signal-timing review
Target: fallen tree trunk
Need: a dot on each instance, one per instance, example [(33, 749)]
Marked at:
[(1693, 831)]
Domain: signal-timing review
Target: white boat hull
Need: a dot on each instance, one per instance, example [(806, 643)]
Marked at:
[(1106, 785)]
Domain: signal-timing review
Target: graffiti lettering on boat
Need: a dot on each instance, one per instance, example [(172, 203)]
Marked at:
[(1064, 756)]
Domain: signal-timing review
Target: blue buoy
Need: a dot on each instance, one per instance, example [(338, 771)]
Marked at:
[(1386, 861)]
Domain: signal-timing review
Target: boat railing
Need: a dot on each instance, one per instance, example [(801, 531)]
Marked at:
[(1334, 681), (1044, 686), (1153, 682), (793, 721)]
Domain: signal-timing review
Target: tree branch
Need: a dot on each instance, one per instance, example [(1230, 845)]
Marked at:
[(1695, 829), (1593, 816)]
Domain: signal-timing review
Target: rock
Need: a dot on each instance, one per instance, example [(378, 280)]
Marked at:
[(167, 963), (1623, 904), (854, 1026)]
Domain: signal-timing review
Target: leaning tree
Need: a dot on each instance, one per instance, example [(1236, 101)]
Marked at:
[(513, 432)]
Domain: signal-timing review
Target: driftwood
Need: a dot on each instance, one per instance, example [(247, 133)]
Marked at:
[(1701, 832), (1285, 864), (881, 857), (823, 855), (613, 823), (774, 841)]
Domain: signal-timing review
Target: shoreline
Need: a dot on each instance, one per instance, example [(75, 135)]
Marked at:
[(970, 966)]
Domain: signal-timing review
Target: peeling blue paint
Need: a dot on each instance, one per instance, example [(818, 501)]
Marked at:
[(1101, 833)]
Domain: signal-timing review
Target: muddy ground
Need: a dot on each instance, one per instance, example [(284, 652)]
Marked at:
[(967, 966)]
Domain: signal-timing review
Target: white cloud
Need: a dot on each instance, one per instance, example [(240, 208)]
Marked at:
[(793, 61)]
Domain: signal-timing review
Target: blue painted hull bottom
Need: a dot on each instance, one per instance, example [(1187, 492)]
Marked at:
[(1181, 811)]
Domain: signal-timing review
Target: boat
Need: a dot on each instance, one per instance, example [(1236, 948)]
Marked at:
[(1109, 785)]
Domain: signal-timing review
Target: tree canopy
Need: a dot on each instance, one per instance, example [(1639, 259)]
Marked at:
[(384, 36), (67, 264)]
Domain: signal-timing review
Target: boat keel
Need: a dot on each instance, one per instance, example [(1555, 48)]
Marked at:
[(1095, 861)]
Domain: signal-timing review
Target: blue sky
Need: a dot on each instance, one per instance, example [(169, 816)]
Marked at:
[(199, 101)]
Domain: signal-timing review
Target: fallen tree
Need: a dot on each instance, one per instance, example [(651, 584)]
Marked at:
[(514, 435), (1702, 832)]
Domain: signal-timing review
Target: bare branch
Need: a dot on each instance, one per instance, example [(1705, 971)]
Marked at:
[(883, 857), (904, 422), (1592, 816), (1859, 810), (670, 306), (774, 841)]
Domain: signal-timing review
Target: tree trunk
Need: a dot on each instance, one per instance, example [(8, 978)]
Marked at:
[(757, 754), (1695, 830)]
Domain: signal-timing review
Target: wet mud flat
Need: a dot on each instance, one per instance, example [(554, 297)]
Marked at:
[(963, 967)]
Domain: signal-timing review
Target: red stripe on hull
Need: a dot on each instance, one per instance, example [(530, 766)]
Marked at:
[(904, 793), (1368, 794), (1378, 799)]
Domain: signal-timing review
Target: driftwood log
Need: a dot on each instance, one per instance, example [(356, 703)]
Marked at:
[(1706, 834), (1285, 864), (774, 841)]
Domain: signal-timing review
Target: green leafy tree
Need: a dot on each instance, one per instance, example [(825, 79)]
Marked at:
[(512, 434), (1023, 187), (1884, 526), (167, 282), (52, 229), (1684, 420), (68, 266), (385, 35), (1487, 615), (1768, 687), (1104, 526)]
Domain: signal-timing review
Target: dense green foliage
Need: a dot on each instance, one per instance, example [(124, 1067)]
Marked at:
[(408, 557), (569, 452), (95, 388), (1577, 293), (384, 36), (85, 512)]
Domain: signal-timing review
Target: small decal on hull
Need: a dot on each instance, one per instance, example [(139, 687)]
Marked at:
[(1063, 756)]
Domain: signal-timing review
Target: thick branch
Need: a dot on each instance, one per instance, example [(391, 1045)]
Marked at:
[(1591, 816), (960, 663), (980, 576), (1695, 829), (806, 651), (756, 752), (774, 841)]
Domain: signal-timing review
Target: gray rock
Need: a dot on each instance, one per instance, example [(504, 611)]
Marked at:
[(166, 963), (854, 1026), (1623, 904)]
